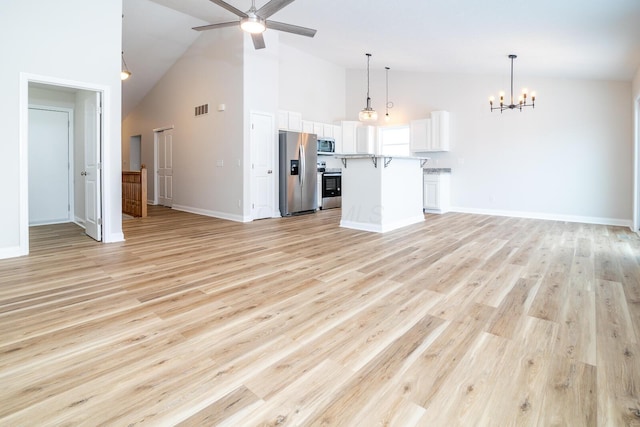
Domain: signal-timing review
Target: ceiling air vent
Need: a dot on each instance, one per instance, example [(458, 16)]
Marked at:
[(202, 109)]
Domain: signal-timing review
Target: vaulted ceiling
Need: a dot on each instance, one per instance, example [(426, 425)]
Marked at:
[(594, 39)]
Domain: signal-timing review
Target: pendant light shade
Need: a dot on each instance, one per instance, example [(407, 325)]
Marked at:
[(368, 114), (124, 72)]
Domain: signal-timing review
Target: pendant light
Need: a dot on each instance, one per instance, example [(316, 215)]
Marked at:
[(522, 100), (124, 73), (368, 114), (387, 117)]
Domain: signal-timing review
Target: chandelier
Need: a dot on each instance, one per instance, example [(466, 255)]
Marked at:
[(368, 114), (522, 99)]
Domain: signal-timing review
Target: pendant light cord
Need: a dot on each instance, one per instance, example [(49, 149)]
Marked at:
[(368, 98)]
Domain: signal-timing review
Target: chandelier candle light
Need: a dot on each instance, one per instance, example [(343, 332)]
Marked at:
[(522, 99), (368, 114)]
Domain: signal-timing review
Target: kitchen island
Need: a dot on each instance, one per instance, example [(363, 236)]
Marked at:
[(381, 193)]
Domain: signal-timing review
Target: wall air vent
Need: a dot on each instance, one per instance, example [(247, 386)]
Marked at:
[(202, 109)]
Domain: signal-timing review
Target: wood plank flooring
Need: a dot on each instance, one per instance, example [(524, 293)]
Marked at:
[(464, 320)]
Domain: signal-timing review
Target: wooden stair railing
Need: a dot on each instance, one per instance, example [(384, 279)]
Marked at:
[(134, 192)]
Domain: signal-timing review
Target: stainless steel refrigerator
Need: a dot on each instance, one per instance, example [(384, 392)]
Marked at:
[(298, 176)]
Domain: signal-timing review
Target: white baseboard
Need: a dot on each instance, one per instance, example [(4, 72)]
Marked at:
[(214, 214), (381, 228), (547, 216), (113, 238), (13, 252)]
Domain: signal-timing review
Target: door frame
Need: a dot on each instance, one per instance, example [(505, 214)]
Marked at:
[(636, 165), (103, 148), (70, 158), (274, 162), (156, 161)]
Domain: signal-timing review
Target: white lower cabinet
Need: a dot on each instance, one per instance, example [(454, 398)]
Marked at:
[(436, 192)]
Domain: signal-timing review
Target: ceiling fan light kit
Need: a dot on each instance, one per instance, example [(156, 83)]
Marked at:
[(522, 99), (368, 114), (253, 25), (255, 21)]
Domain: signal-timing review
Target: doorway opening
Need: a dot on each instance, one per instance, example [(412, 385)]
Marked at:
[(61, 162), (163, 166), (636, 167), (135, 153)]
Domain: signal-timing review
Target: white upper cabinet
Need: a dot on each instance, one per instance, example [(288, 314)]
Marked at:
[(349, 136), (430, 134), (318, 129), (327, 131), (290, 120), (420, 139), (307, 126), (366, 140), (440, 131)]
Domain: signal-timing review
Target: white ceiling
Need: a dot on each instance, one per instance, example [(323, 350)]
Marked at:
[(594, 39)]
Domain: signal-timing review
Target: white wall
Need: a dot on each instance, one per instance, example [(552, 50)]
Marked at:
[(311, 86), (57, 40), (568, 158), (211, 71), (261, 71)]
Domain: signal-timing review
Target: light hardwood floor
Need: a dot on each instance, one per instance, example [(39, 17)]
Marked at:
[(463, 320)]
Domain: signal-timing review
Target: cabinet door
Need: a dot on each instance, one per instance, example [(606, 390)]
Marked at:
[(337, 134), (439, 131), (420, 139), (366, 139), (431, 196), (318, 129), (349, 136), (327, 131), (307, 126), (295, 121), (283, 120)]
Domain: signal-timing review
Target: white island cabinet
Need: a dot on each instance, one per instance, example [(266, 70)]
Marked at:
[(381, 193)]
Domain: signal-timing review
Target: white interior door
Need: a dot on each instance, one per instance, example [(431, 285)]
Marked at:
[(165, 168), (92, 168), (262, 152), (49, 163)]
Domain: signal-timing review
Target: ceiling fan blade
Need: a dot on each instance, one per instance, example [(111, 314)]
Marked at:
[(230, 8), (280, 26), (258, 41), (272, 7), (212, 26)]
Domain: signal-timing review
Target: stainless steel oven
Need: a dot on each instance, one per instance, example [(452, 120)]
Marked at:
[(332, 188)]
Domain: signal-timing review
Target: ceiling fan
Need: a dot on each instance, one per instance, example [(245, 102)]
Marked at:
[(255, 22)]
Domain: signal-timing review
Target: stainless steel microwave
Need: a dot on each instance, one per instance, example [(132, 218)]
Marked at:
[(326, 146)]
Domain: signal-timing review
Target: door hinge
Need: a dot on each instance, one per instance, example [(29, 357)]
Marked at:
[(253, 205), (99, 221), (98, 165)]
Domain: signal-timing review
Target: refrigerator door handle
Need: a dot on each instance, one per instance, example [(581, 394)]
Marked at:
[(303, 165)]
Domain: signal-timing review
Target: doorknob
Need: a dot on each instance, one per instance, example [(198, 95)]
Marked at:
[(83, 173), (269, 171)]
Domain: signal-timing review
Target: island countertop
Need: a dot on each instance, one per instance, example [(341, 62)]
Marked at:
[(374, 157)]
